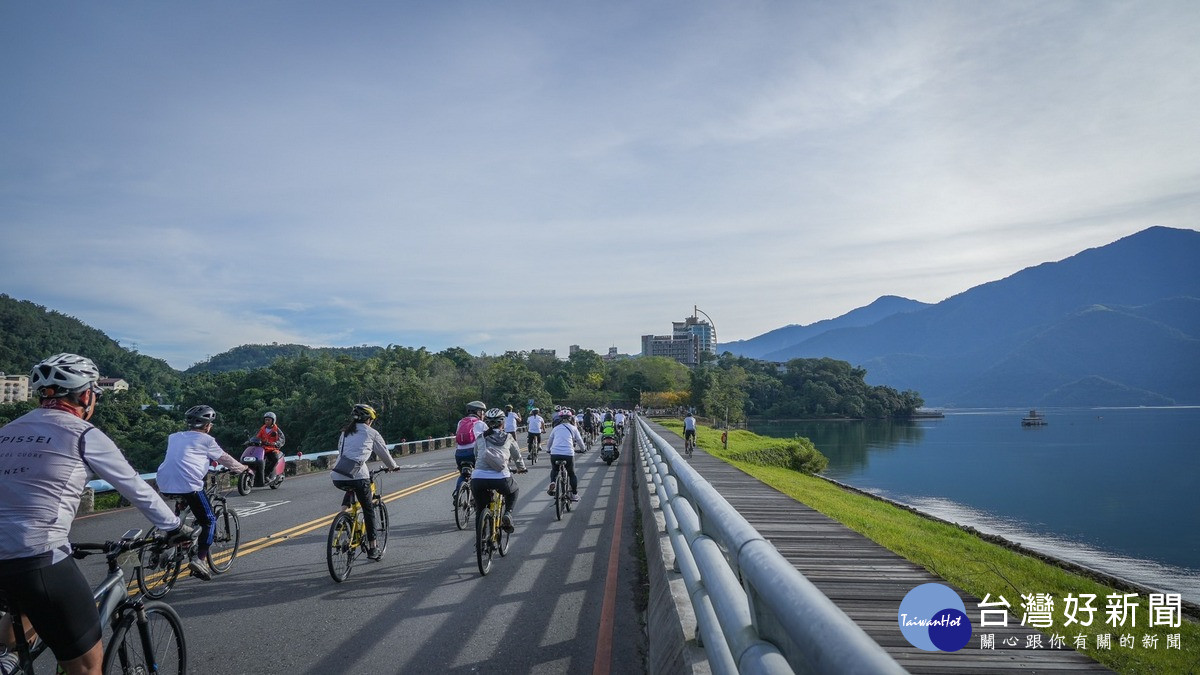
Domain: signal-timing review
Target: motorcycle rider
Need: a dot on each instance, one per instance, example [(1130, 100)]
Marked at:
[(271, 437), (355, 446), (49, 452), (182, 472), (494, 449)]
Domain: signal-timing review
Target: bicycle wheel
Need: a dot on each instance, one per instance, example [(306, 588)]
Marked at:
[(158, 568), (484, 525), (464, 505), (227, 538), (559, 491), (381, 525), (126, 653), (341, 551), (502, 539)]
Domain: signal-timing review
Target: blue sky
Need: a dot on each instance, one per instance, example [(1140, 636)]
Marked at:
[(189, 177)]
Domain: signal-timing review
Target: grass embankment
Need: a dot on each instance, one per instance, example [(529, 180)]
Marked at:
[(961, 558)]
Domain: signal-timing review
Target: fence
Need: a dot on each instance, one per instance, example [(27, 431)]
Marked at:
[(755, 612)]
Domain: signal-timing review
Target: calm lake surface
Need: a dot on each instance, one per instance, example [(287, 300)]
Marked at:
[(1116, 489)]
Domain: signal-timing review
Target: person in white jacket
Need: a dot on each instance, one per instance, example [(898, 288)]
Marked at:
[(356, 444), (562, 442), (45, 458), (493, 451)]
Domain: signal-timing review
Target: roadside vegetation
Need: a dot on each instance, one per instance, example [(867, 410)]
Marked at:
[(961, 558)]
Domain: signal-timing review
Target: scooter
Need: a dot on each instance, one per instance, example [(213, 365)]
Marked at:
[(609, 452), (254, 457)]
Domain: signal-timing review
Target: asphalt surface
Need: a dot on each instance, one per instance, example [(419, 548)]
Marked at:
[(564, 599)]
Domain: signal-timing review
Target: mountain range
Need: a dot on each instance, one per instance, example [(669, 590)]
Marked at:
[(1114, 325)]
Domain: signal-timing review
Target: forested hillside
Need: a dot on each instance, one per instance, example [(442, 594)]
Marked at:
[(417, 393), (249, 357)]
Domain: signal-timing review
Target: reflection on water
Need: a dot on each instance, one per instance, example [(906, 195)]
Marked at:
[(1112, 489)]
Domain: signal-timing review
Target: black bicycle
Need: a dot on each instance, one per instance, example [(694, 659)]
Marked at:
[(159, 565), (562, 488), (464, 502), (147, 635)]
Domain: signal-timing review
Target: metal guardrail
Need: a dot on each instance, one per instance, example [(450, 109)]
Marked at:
[(755, 612)]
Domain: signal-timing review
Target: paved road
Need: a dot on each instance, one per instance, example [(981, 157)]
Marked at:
[(563, 600)]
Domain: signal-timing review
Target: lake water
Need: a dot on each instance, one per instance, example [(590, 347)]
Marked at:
[(1116, 489)]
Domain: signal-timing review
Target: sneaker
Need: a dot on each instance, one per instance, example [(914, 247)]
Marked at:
[(506, 523), (550, 490), (374, 552), (574, 497), (200, 569)]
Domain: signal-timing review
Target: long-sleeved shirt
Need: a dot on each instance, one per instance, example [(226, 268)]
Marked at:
[(45, 458), (358, 447), (563, 440), (189, 455)]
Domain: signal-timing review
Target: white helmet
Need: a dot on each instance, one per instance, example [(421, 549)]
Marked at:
[(67, 373), (494, 418)]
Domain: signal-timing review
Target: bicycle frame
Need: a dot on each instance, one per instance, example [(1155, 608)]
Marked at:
[(111, 600)]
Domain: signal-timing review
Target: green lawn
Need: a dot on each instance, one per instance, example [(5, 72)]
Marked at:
[(965, 560)]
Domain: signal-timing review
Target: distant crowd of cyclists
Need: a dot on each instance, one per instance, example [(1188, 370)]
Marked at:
[(47, 454)]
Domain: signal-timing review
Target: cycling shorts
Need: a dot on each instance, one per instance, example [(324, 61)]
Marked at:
[(58, 603), (689, 433)]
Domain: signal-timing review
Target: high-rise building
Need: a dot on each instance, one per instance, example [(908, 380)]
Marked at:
[(14, 388), (688, 340)]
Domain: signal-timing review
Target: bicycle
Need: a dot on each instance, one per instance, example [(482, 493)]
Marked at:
[(562, 488), (159, 566), (490, 537), (689, 444), (464, 501), (534, 448), (147, 635), (348, 532)]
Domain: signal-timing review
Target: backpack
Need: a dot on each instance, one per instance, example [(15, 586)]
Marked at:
[(494, 457), (466, 431)]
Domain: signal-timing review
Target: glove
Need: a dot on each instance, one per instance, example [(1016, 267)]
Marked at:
[(180, 535)]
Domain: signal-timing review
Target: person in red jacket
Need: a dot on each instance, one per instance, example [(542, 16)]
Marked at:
[(271, 437)]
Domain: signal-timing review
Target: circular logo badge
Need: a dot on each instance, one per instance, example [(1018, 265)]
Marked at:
[(933, 618)]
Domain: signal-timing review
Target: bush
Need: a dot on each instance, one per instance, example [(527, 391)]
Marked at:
[(798, 454)]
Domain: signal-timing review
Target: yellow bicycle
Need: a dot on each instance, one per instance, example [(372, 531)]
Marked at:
[(490, 537), (348, 533)]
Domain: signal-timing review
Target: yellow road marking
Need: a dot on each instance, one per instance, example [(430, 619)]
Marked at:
[(304, 528)]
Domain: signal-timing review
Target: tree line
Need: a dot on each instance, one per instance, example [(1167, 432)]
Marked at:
[(421, 394)]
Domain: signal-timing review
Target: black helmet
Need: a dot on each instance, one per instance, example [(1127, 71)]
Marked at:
[(363, 413), (200, 415)]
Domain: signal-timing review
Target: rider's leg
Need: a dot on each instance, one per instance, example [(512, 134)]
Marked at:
[(202, 510), (51, 598), (570, 467), (462, 460), (362, 491)]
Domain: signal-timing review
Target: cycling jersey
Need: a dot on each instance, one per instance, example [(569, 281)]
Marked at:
[(535, 424), (45, 457), (488, 464), (689, 423), (189, 456)]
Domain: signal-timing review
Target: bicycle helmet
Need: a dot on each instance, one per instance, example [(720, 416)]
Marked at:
[(494, 418), (534, 411), (476, 406), (66, 373), (363, 412), (200, 415), (270, 414)]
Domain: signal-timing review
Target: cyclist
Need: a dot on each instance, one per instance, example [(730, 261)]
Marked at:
[(511, 419), (493, 451), (619, 418), (355, 445), (470, 428), (534, 423), (48, 453), (189, 455), (589, 423), (689, 429), (271, 437), (561, 443)]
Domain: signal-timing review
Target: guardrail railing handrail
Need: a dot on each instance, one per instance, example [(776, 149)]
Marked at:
[(774, 619)]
